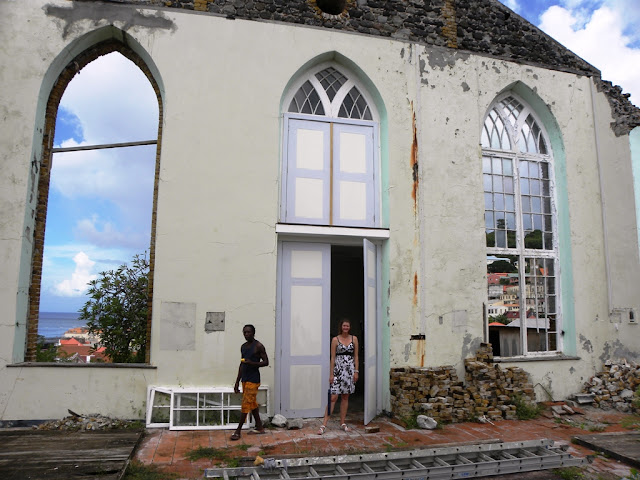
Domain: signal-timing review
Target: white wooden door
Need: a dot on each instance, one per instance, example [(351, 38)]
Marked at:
[(371, 349), (305, 312)]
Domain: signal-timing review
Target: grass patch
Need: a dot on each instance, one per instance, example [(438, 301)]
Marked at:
[(140, 471), (631, 423), (411, 421), (569, 473), (206, 452), (525, 408)]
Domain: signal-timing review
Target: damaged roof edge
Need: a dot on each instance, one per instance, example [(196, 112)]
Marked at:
[(484, 27)]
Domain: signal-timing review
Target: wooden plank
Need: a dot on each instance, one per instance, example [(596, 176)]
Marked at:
[(58, 455)]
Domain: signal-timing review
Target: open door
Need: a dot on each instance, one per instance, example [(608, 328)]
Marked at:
[(370, 331), (304, 352)]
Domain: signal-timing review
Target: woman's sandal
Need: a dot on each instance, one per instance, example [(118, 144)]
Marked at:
[(322, 429), (345, 428)]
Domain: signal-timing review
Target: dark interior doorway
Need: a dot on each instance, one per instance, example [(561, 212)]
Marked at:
[(347, 301)]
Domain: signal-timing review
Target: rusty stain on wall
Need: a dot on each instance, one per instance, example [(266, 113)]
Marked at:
[(415, 288), (414, 162)]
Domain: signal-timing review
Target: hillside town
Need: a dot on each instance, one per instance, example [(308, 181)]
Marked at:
[(77, 346)]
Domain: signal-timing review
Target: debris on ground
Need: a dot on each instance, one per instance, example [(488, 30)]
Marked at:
[(76, 422)]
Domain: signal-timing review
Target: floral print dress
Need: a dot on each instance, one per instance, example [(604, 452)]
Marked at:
[(343, 369)]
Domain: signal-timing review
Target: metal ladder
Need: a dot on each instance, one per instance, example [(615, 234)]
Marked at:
[(467, 461)]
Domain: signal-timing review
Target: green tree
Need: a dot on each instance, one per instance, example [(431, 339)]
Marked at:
[(117, 311), (46, 352)]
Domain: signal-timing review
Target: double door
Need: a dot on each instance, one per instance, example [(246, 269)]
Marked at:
[(304, 331)]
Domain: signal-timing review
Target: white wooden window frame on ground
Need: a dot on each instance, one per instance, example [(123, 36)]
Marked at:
[(228, 404)]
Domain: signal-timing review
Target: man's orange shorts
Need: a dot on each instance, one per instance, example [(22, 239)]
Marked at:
[(249, 397)]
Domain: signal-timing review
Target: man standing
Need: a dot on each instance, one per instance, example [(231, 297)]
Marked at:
[(254, 356)]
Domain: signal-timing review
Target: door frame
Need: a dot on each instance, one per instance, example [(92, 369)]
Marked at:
[(376, 239)]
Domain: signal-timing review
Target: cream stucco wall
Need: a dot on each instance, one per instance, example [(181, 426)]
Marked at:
[(218, 201)]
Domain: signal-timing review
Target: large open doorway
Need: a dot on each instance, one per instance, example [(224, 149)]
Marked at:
[(319, 284), (347, 301)]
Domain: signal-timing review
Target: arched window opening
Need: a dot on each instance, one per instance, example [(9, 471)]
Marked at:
[(96, 192), (330, 170), (520, 223)]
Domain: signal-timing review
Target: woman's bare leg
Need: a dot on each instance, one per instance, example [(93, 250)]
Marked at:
[(344, 404)]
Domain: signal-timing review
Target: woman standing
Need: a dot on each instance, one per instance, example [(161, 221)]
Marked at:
[(343, 373)]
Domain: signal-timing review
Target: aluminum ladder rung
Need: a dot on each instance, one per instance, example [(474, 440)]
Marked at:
[(468, 461)]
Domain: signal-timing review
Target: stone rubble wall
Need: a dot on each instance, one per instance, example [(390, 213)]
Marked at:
[(615, 386), (438, 392)]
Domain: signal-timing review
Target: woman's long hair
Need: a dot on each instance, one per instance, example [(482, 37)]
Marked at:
[(342, 322)]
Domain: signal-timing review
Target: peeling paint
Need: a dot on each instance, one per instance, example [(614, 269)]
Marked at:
[(586, 344), (470, 345), (407, 351), (97, 12), (616, 350), (465, 87), (442, 59)]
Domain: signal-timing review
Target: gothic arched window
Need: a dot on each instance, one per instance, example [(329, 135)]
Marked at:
[(330, 171), (520, 226)]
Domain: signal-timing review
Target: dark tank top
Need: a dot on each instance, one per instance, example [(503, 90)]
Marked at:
[(250, 373)]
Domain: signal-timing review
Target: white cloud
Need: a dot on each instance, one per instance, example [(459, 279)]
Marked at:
[(600, 40), (512, 4), (113, 100), (106, 234), (77, 285)]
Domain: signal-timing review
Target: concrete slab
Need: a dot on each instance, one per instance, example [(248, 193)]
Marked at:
[(623, 446)]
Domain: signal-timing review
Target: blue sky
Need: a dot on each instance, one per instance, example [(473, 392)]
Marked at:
[(100, 201), (605, 33)]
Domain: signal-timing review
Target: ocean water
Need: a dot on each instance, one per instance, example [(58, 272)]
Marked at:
[(54, 324)]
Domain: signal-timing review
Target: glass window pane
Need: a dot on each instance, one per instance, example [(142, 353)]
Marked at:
[(534, 170), (524, 186), (486, 165), (537, 222), (498, 199), (526, 203), (548, 241), (535, 187), (487, 183), (507, 167), (488, 201), (497, 184), (511, 221), (511, 238), (508, 184), (526, 222), (510, 203), (497, 166), (489, 220), (523, 168), (536, 205)]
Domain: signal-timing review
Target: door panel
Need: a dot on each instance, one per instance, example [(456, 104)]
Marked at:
[(353, 175), (370, 331), (306, 297), (307, 198)]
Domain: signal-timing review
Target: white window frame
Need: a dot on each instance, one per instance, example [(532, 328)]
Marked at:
[(224, 409), (520, 250)]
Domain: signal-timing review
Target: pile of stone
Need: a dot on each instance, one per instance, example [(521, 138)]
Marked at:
[(437, 392), (615, 386), (76, 422)]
